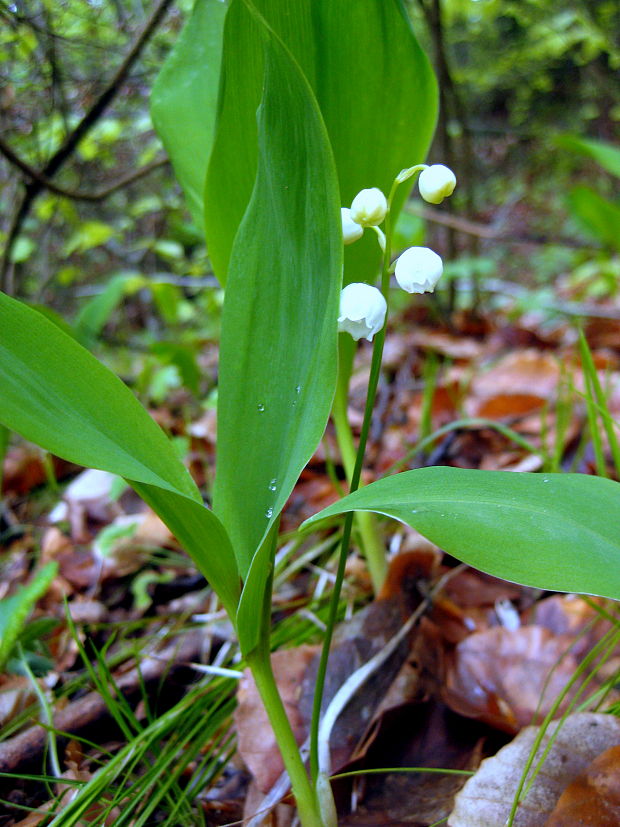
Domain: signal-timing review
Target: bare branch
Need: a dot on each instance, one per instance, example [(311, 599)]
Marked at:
[(76, 195), (38, 183)]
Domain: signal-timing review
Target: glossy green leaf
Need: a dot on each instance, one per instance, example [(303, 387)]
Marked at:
[(252, 621), (596, 214), (14, 610), (278, 343), (553, 531), (375, 89), (202, 536), (605, 154), (184, 99), (55, 393)]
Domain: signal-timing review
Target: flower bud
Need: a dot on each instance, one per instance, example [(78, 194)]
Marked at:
[(362, 311), (418, 270), (369, 207), (351, 231), (436, 183)]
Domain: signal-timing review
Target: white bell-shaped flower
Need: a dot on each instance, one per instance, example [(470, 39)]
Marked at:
[(418, 270), (362, 311), (351, 231), (369, 207), (436, 183)]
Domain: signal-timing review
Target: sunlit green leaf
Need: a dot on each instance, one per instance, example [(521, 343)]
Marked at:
[(605, 154), (55, 393), (14, 610), (88, 235), (599, 216), (553, 531)]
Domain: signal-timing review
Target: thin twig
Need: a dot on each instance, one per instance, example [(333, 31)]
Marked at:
[(34, 187), (487, 231), (91, 707), (76, 195)]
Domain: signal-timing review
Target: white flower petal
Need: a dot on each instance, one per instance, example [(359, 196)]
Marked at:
[(369, 207), (418, 270), (362, 311), (351, 231), (436, 183)]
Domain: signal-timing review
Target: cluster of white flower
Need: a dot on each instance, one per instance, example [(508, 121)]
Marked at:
[(418, 269)]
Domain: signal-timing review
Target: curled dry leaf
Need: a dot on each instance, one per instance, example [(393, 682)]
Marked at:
[(16, 693), (520, 382), (87, 496), (520, 372), (506, 677), (486, 799), (593, 797)]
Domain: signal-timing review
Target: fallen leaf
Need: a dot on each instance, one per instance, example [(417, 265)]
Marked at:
[(416, 735), (486, 799), (517, 384), (593, 798), (87, 496), (16, 693), (510, 677)]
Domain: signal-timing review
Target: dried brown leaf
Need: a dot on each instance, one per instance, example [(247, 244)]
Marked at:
[(486, 799), (507, 676), (593, 798)]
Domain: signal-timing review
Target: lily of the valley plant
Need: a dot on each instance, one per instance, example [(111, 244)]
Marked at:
[(258, 122)]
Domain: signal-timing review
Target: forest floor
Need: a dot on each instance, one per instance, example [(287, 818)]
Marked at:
[(128, 630)]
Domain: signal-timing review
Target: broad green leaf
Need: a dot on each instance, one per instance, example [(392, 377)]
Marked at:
[(375, 89), (202, 536), (55, 393), (598, 215), (605, 154), (252, 622), (278, 344), (4, 444), (184, 99), (14, 610), (552, 531), (89, 234), (378, 96), (93, 316)]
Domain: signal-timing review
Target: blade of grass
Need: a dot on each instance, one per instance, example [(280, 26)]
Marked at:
[(594, 384)]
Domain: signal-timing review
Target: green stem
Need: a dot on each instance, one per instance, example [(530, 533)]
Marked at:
[(305, 797), (259, 661), (372, 543), (373, 383)]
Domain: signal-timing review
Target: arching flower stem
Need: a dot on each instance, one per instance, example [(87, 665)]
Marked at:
[(373, 382)]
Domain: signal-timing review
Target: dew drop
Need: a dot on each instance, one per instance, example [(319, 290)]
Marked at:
[(414, 510), (269, 513), (261, 406), (273, 485), (298, 389)]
